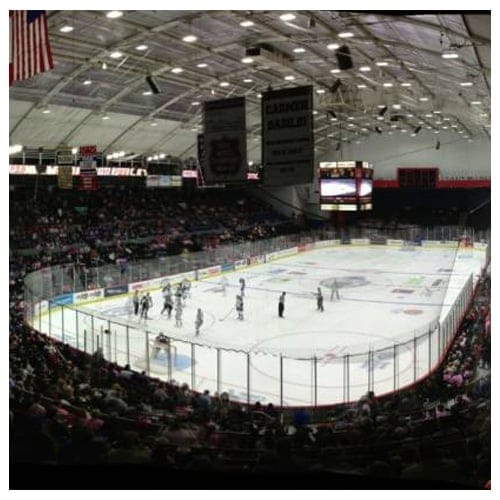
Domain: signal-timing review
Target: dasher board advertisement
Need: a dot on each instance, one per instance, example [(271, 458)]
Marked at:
[(225, 142), (287, 136)]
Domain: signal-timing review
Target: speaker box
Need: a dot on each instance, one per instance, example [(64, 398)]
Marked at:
[(343, 55), (152, 85)]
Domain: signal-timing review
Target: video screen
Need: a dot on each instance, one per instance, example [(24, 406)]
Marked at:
[(366, 187), (337, 187)]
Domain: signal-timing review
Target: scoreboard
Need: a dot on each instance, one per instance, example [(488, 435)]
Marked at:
[(345, 186)]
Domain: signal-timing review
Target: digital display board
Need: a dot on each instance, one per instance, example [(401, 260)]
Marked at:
[(345, 186)]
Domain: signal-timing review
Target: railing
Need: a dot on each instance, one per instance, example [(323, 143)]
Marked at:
[(287, 379)]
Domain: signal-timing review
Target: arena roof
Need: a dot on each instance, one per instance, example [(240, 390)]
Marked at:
[(432, 70)]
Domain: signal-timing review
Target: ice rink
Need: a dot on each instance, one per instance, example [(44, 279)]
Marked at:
[(388, 296)]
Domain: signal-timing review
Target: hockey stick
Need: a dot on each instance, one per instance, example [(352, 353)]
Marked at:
[(226, 316)]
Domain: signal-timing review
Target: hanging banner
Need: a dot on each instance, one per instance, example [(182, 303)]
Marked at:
[(65, 177), (225, 143), (87, 180), (287, 136), (65, 155)]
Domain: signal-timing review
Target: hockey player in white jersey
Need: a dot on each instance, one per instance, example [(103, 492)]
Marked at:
[(178, 314), (335, 291), (223, 284)]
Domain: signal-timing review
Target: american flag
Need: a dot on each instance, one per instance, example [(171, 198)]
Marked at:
[(29, 44)]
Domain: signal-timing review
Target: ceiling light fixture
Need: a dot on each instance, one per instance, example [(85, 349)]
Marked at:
[(423, 99), (247, 60), (141, 47), (320, 91), (104, 66), (201, 65), (114, 14), (449, 54), (388, 84), (189, 38), (116, 54), (476, 103), (247, 23), (289, 78), (334, 71), (396, 106), (177, 70), (66, 29), (248, 80), (332, 46), (87, 82), (362, 86), (147, 92), (346, 34), (287, 17), (105, 117), (299, 50), (365, 68), (154, 124), (224, 84), (45, 111), (406, 84), (195, 103), (466, 84), (382, 63)]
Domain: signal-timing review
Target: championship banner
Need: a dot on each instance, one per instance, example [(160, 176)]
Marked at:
[(225, 141), (287, 136), (65, 177), (87, 180)]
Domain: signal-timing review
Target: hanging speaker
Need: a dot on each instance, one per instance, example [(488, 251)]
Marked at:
[(152, 85), (343, 55), (336, 85)]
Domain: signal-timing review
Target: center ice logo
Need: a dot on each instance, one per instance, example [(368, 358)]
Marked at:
[(345, 282)]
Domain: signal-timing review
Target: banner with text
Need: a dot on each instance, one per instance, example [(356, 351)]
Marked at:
[(225, 141), (287, 136), (65, 177)]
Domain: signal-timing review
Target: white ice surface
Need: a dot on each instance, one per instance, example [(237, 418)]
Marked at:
[(388, 296)]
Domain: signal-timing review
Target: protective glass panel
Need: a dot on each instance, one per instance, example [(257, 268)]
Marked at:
[(297, 382), (233, 375), (405, 368), (358, 376), (383, 371), (330, 379), (265, 378)]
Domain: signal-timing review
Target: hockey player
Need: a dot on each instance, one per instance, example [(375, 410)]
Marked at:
[(335, 290), (135, 301), (239, 306), (223, 284), (166, 290), (199, 321), (146, 305), (242, 287), (168, 305), (185, 287), (178, 293), (319, 300), (281, 305), (178, 314)]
